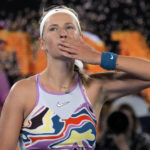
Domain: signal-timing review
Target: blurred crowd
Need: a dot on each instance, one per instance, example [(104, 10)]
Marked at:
[(99, 18), (121, 128)]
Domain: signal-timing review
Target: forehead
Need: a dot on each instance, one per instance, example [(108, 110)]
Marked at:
[(60, 18)]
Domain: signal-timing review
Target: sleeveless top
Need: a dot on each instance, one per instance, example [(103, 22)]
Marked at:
[(60, 121)]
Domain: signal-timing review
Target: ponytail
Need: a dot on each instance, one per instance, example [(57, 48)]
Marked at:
[(83, 77)]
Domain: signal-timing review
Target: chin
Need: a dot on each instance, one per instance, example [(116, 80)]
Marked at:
[(66, 58)]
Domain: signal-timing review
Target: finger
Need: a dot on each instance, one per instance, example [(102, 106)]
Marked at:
[(66, 54), (73, 44), (68, 45), (68, 49), (65, 44)]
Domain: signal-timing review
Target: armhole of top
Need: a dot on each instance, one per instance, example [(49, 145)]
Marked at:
[(37, 89), (83, 91), (37, 96)]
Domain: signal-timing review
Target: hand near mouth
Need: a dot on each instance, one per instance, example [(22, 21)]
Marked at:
[(77, 48)]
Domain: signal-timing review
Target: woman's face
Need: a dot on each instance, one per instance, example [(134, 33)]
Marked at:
[(58, 27)]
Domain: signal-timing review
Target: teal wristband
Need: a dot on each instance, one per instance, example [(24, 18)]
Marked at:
[(108, 60)]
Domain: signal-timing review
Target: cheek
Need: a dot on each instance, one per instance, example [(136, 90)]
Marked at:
[(48, 44), (51, 39), (74, 34), (52, 45)]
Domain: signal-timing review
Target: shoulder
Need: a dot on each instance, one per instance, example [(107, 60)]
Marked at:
[(24, 85), (18, 103), (21, 92)]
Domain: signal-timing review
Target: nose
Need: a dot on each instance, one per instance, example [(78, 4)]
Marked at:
[(63, 34)]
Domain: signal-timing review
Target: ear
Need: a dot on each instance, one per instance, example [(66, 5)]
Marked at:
[(41, 42)]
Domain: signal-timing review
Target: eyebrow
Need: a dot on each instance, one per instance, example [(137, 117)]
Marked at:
[(67, 23), (53, 25)]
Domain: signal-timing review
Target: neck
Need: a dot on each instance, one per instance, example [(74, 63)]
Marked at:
[(60, 75)]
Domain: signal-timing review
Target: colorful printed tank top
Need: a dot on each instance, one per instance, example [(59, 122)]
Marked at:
[(60, 121)]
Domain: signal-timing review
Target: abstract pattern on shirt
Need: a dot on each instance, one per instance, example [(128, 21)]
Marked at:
[(44, 128)]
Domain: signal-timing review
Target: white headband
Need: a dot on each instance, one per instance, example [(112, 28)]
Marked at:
[(54, 11)]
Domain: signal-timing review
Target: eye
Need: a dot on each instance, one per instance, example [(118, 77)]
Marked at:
[(70, 27), (53, 29)]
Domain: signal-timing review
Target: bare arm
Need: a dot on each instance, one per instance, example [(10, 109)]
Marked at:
[(136, 70), (76, 48), (138, 67), (134, 78), (12, 117), (117, 84)]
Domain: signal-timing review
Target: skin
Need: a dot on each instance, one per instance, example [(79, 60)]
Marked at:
[(63, 43)]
